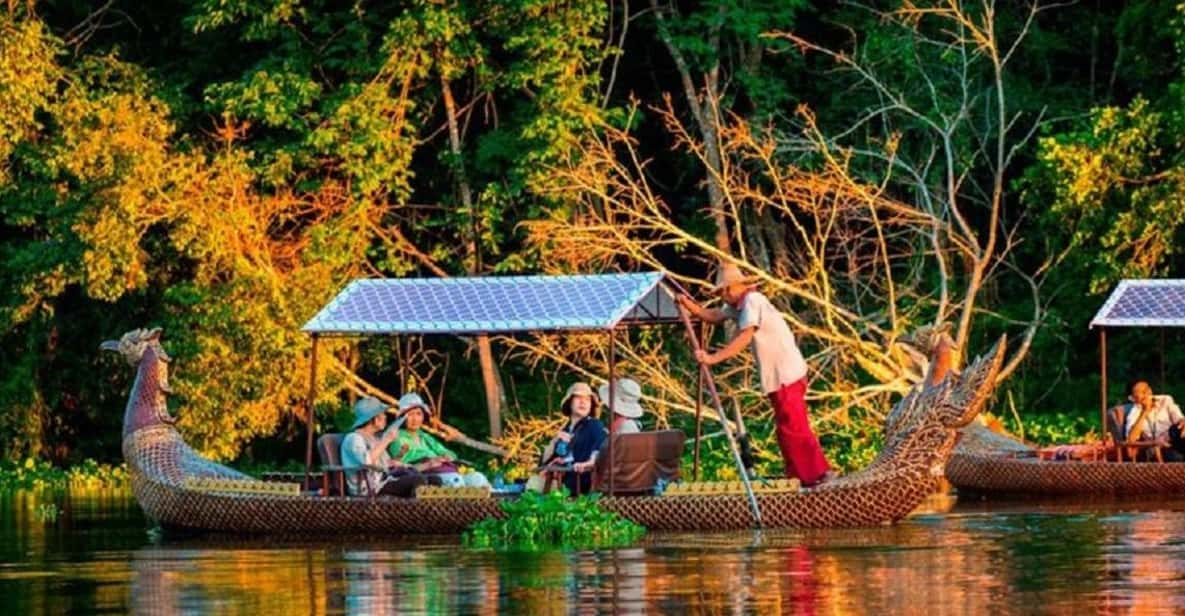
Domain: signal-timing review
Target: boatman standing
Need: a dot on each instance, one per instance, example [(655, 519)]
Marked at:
[(779, 363)]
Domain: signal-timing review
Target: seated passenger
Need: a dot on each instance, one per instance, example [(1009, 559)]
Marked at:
[(366, 445), (426, 453), (626, 408), (580, 440), (1158, 419)]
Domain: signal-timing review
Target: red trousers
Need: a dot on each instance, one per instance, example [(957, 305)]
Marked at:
[(800, 447)]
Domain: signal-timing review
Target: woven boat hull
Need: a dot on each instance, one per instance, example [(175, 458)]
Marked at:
[(992, 464), (177, 508), (987, 474), (920, 433), (160, 461)]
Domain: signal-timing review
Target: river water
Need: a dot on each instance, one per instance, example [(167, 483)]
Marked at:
[(98, 554)]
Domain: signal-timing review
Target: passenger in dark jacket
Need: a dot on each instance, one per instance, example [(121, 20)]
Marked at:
[(580, 441)]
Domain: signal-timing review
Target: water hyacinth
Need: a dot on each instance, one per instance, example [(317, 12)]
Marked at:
[(537, 521), (41, 474)]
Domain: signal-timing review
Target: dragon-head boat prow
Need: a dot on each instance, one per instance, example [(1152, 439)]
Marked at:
[(157, 455), (923, 425), (146, 404)]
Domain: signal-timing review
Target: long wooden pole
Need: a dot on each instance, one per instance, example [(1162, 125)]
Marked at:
[(732, 442), (308, 450), (699, 415)]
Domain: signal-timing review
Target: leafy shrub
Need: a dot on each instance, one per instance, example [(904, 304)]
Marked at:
[(41, 474), (848, 447), (1055, 428), (537, 521)]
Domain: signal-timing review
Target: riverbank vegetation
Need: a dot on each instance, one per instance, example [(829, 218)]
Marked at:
[(223, 169), (34, 474)]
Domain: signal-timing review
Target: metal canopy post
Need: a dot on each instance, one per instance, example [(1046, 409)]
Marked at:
[(404, 370), (1103, 380), (402, 363), (353, 366), (308, 452), (612, 406)]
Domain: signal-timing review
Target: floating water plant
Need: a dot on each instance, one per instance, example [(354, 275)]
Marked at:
[(537, 521), (41, 474)]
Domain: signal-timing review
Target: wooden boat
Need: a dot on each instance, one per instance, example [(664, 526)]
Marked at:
[(989, 463), (180, 489), (920, 434)]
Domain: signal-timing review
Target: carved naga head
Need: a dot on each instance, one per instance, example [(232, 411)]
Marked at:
[(139, 344)]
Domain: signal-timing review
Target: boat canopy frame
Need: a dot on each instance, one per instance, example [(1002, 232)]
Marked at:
[(1138, 302), (466, 306)]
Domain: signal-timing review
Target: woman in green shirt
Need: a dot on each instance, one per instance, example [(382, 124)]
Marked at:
[(421, 450)]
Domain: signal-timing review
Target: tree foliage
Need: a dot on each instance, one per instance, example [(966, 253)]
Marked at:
[(222, 168)]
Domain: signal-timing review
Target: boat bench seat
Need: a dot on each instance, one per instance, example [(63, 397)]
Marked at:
[(640, 460)]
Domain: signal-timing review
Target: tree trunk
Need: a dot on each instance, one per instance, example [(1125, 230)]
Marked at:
[(493, 385), (489, 370), (711, 134), (705, 114)]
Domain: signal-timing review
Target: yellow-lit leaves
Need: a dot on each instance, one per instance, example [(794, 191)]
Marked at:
[(113, 144), (28, 75), (1114, 187), (372, 136)]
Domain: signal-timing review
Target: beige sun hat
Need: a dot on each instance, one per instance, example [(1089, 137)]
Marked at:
[(627, 395), (729, 274), (579, 388)]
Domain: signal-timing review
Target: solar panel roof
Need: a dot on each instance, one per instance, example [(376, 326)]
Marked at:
[(494, 304), (1144, 303)]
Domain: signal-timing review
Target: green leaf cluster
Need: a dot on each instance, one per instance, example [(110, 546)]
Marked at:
[(536, 522), (38, 474), (226, 171)]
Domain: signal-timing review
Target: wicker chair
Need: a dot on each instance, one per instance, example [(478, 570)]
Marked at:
[(640, 460), (329, 447)]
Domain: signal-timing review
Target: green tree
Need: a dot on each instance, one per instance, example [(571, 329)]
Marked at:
[(727, 64), (227, 204)]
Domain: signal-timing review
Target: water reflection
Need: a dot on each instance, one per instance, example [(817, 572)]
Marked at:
[(97, 556)]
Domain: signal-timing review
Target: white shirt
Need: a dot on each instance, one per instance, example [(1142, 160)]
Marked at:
[(779, 362), (627, 426), (1164, 414)]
